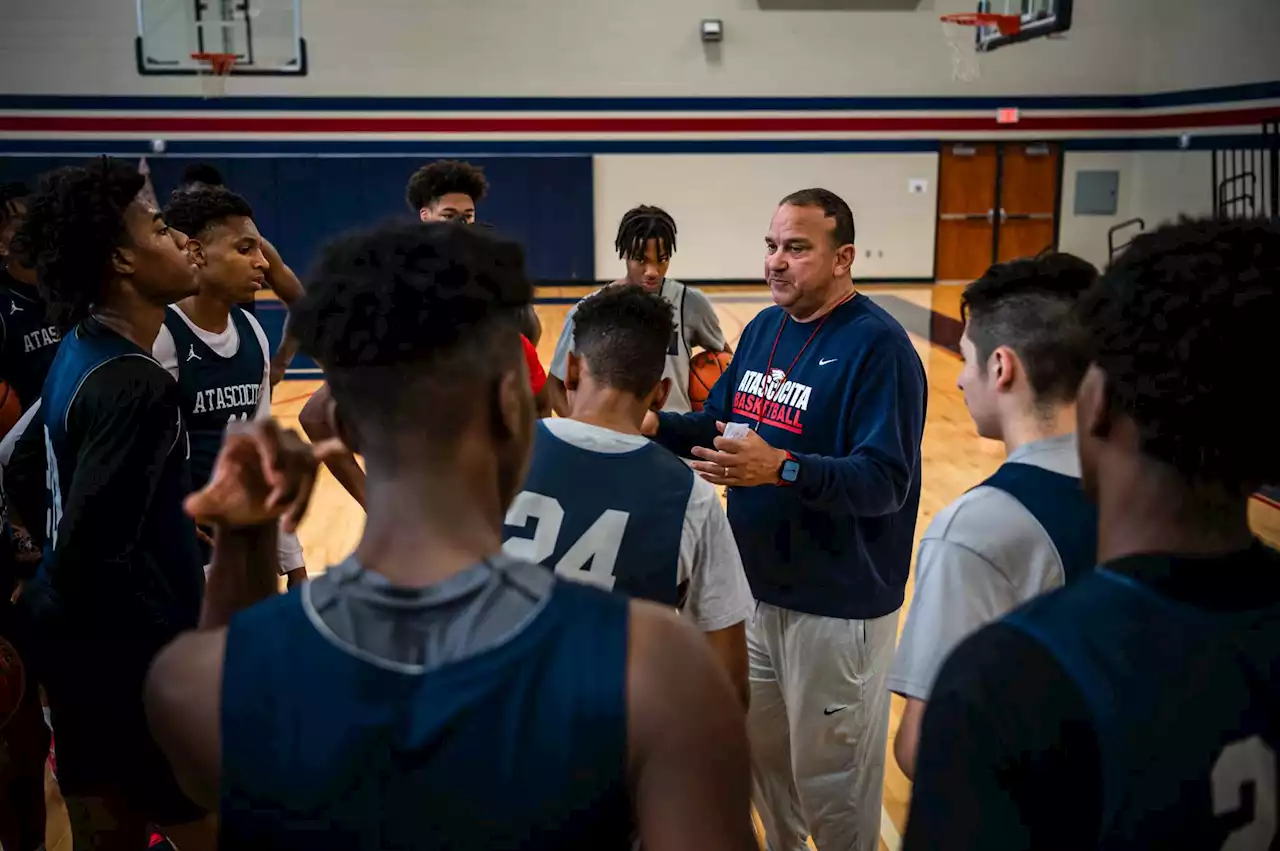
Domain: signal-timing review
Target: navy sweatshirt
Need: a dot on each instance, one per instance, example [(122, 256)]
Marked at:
[(837, 543)]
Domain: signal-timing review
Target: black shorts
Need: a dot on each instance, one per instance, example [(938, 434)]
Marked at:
[(105, 749)]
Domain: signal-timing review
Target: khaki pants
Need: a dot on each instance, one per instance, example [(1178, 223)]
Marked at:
[(819, 725)]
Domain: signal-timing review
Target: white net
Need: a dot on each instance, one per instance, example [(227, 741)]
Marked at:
[(214, 70), (966, 60)]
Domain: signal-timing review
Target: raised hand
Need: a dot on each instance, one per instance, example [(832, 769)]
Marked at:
[(262, 473)]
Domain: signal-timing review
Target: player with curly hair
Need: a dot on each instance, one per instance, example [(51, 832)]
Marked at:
[(442, 191), (121, 575), (216, 351), (1028, 528), (447, 191), (1139, 706), (489, 703)]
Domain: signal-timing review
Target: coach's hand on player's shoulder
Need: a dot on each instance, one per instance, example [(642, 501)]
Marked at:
[(262, 473), (739, 463)]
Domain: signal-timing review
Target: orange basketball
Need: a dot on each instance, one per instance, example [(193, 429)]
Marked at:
[(704, 370), (10, 408)]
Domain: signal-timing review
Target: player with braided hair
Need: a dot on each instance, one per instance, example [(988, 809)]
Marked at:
[(1139, 706), (646, 240), (121, 574)]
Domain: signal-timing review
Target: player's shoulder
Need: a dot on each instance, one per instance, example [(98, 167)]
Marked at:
[(988, 524), (978, 668), (692, 294), (131, 381), (978, 514), (252, 321)]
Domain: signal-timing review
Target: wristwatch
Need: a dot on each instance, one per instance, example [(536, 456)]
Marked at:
[(789, 471)]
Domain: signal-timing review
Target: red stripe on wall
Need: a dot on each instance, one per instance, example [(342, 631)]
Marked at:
[(637, 124)]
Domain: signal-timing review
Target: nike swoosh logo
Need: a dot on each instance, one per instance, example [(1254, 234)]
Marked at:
[(832, 710), (826, 361)]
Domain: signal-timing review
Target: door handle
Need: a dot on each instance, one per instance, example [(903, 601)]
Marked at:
[(1024, 217), (967, 217)]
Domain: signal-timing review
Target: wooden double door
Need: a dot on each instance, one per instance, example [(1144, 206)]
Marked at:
[(997, 201)]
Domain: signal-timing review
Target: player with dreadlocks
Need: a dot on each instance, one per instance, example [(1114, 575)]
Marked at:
[(646, 240), (442, 191)]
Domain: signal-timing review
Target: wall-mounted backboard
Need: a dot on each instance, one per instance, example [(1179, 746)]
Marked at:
[(1040, 19), (264, 35)]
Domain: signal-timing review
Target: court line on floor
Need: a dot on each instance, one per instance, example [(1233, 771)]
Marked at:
[(889, 831)]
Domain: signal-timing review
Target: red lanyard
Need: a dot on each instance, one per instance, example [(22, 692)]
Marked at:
[(768, 370)]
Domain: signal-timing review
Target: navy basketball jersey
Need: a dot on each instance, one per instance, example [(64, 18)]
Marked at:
[(167, 539), (521, 746), (1186, 705), (1060, 506), (613, 519), (30, 340), (216, 390)]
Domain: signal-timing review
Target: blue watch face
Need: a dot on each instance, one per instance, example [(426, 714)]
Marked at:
[(790, 470)]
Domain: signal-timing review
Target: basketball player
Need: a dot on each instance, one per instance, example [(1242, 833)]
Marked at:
[(449, 191), (443, 191), (216, 351), (24, 358), (604, 505), (646, 240), (121, 574), (823, 491), (1139, 707), (28, 341), (470, 700), (280, 278), (1029, 528)]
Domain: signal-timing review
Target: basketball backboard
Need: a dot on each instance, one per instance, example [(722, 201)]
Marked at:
[(265, 35), (1040, 19)]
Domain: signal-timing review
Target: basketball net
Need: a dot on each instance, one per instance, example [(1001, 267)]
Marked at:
[(959, 29), (966, 61), (214, 69)]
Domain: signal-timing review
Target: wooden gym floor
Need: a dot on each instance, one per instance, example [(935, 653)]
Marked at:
[(954, 459)]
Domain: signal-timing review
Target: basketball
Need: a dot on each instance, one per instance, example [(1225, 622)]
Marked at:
[(13, 681), (10, 409), (704, 369)]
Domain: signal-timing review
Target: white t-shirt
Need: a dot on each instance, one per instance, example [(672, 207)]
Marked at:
[(226, 344), (718, 594)]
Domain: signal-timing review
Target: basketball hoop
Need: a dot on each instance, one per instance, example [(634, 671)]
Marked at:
[(965, 55), (214, 70)]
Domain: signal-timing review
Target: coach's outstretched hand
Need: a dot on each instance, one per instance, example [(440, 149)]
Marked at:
[(745, 462), (262, 473)]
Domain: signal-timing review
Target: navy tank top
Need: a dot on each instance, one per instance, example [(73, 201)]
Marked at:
[(520, 746)]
